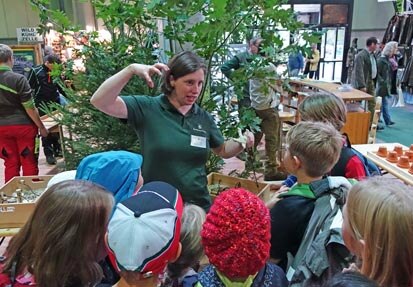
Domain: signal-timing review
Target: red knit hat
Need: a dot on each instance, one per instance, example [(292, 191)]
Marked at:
[(236, 233)]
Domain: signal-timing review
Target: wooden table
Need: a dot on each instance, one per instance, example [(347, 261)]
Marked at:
[(53, 127), (358, 121), (352, 95), (369, 149)]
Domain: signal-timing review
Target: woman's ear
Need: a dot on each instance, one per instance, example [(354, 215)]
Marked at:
[(172, 81)]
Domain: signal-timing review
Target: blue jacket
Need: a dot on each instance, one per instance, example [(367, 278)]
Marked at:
[(295, 61)]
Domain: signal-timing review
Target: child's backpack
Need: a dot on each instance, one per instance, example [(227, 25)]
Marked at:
[(322, 252), (370, 168)]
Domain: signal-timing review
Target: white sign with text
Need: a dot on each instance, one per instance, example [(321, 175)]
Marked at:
[(28, 35)]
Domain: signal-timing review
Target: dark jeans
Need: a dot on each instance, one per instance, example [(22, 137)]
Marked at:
[(311, 74), (51, 144)]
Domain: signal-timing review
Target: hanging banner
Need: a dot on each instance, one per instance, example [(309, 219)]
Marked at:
[(28, 35)]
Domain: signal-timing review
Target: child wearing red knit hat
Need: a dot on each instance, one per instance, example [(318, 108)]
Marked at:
[(236, 239)]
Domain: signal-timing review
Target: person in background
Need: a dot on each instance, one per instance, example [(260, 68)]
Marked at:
[(236, 238), (265, 101), (19, 120), (176, 135), (351, 56), (378, 228), (295, 64), (313, 61), (365, 72), (181, 273), (384, 79), (45, 92), (240, 61), (63, 239), (144, 233)]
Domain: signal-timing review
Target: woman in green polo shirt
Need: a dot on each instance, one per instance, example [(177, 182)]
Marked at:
[(175, 133)]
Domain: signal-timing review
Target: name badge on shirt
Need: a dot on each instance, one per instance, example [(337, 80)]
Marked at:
[(198, 141)]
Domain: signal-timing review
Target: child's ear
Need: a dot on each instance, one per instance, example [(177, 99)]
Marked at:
[(296, 162), (178, 253)]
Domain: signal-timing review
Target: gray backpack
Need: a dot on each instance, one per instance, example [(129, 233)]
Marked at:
[(322, 252)]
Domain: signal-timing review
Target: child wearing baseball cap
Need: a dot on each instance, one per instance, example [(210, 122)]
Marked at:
[(236, 238), (143, 234)]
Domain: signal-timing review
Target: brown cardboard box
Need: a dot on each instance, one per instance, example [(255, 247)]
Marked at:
[(16, 214), (262, 190)]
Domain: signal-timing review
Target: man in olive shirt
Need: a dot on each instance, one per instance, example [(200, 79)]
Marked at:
[(365, 72), (19, 120), (239, 61)]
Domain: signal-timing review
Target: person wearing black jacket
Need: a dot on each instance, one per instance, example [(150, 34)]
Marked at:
[(46, 91)]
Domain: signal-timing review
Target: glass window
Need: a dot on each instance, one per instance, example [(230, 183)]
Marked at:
[(337, 71), (308, 14)]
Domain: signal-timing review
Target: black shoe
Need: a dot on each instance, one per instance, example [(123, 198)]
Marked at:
[(390, 124), (380, 128), (275, 177), (380, 121), (50, 160)]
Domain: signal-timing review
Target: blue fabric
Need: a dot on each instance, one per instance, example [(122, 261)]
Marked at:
[(295, 61), (290, 181), (190, 281), (117, 171), (270, 275), (385, 110)]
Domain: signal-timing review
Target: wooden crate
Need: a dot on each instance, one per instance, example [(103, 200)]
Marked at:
[(16, 214), (262, 190)]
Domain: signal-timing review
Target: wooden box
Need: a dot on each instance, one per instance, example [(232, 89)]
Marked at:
[(16, 214), (262, 190)]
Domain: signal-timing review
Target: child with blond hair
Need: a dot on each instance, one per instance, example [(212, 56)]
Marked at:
[(181, 272), (378, 229)]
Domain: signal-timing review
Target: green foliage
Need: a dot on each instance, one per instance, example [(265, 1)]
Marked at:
[(209, 27)]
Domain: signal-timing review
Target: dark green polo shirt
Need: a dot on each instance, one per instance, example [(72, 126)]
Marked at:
[(175, 147), (15, 93)]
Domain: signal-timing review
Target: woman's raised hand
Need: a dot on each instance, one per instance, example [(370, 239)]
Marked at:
[(147, 71)]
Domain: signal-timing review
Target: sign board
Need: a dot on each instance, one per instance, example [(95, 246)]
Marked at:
[(28, 35)]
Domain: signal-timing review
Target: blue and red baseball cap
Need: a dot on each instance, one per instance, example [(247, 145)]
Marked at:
[(143, 233)]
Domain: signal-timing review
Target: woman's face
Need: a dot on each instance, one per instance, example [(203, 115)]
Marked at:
[(186, 89), (394, 51)]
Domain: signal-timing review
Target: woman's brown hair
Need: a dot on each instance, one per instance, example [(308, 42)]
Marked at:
[(180, 65), (380, 214), (61, 241)]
